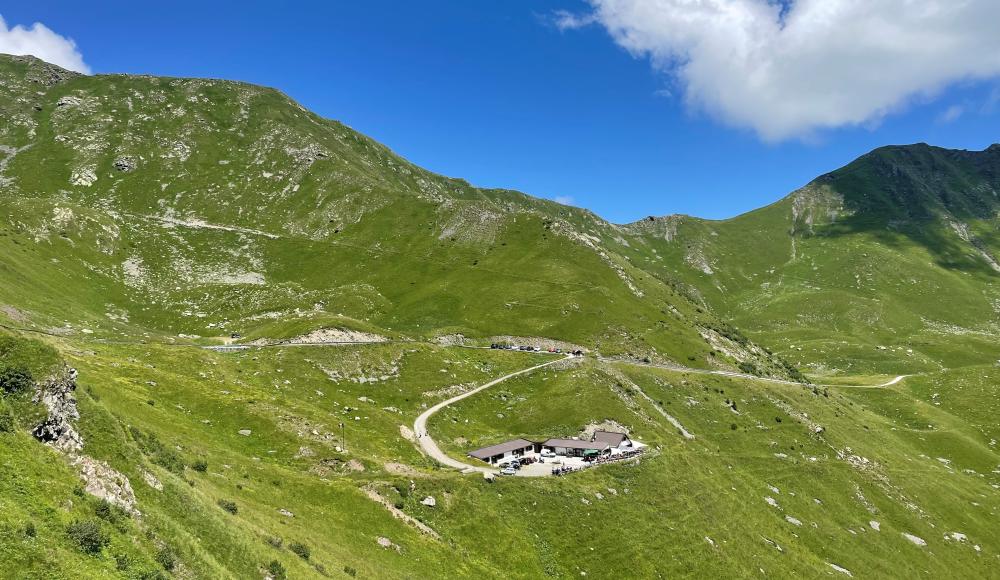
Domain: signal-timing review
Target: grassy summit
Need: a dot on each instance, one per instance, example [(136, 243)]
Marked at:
[(146, 217)]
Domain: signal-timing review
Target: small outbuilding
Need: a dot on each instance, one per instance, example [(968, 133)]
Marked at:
[(614, 439), (508, 450)]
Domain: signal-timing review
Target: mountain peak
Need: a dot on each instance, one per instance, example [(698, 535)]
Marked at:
[(34, 69), (919, 182)]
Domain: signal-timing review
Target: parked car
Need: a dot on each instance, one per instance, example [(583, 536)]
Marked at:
[(548, 453), (508, 471)]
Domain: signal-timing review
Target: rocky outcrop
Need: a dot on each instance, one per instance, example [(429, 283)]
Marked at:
[(104, 482), (58, 430)]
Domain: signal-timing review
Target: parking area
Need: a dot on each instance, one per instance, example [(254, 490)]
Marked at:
[(548, 465), (539, 465)]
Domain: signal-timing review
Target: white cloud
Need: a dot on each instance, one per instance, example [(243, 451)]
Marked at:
[(565, 200), (566, 20), (789, 68), (41, 42), (951, 114)]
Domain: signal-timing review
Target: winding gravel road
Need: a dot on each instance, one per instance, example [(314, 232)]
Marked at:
[(734, 374), (431, 448)]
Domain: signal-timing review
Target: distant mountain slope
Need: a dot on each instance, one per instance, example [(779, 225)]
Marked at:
[(897, 250), (201, 207)]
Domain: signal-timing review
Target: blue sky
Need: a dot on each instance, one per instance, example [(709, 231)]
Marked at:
[(497, 93)]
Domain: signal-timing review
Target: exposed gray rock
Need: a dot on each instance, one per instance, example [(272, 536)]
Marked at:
[(429, 501), (104, 482), (58, 430), (387, 543), (151, 481), (68, 101), (125, 163), (57, 395)]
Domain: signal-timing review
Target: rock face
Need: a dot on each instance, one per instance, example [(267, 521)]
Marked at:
[(57, 396), (58, 430), (151, 481), (125, 163), (103, 482)]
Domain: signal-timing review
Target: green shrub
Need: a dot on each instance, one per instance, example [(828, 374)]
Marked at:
[(15, 380), (122, 562), (109, 512), (29, 530), (275, 542), (229, 506), (200, 465), (165, 557), (276, 570), (87, 535), (352, 572), (299, 549), (7, 424)]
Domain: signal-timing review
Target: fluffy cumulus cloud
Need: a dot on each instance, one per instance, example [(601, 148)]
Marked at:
[(38, 40), (789, 68)]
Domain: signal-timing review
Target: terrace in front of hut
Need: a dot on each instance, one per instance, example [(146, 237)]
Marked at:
[(558, 456)]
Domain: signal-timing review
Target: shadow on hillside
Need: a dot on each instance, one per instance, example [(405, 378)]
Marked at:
[(946, 247)]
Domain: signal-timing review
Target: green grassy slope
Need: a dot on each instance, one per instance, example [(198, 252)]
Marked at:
[(143, 206), (689, 507)]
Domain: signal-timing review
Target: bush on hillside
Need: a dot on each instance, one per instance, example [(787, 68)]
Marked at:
[(229, 506), (7, 424), (276, 570), (165, 557), (15, 380), (200, 465), (88, 536), (122, 562), (299, 549), (109, 512)]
